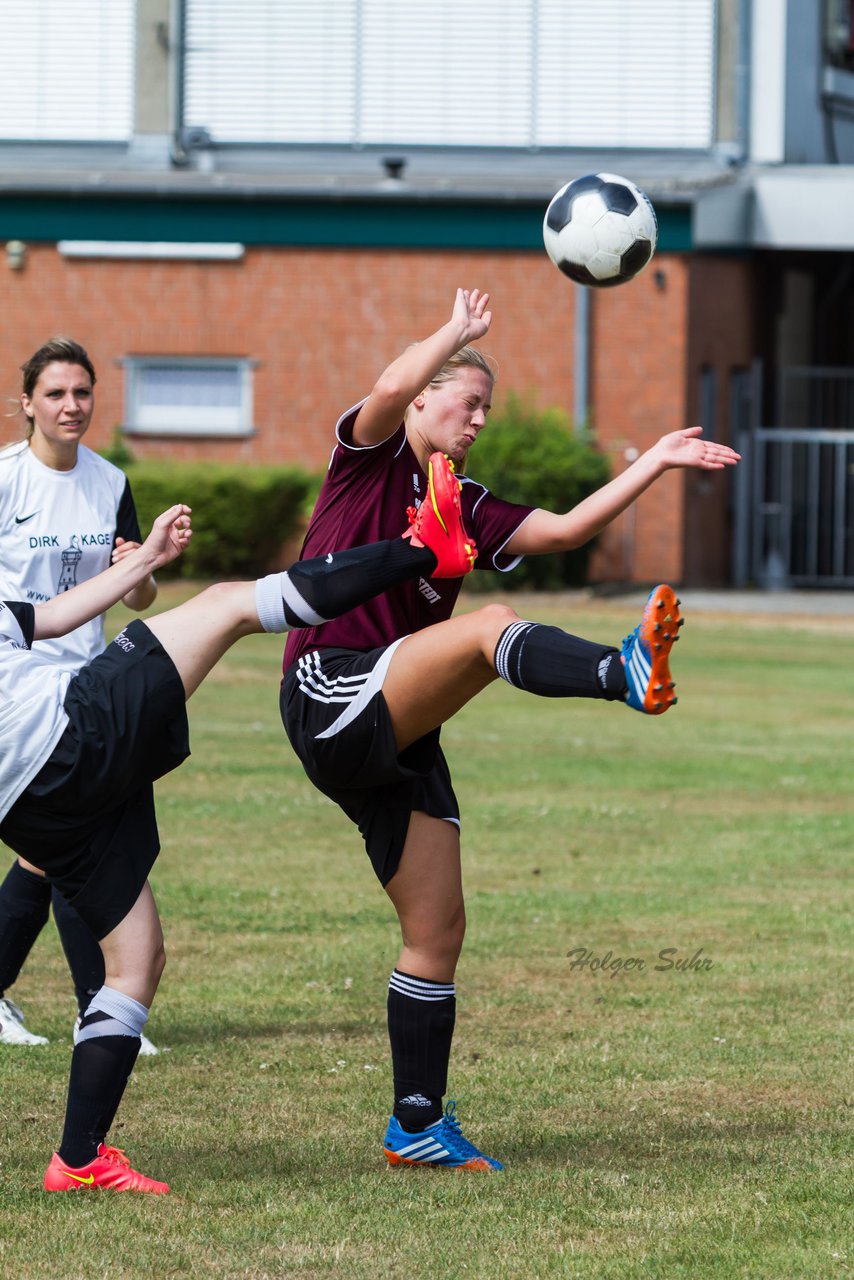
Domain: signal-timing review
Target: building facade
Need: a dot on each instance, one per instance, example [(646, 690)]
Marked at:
[(243, 218)]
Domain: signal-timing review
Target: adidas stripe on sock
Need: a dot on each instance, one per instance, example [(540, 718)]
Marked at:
[(554, 664), (420, 988)]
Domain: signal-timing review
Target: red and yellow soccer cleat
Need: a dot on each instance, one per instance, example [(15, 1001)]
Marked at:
[(438, 522), (110, 1168)]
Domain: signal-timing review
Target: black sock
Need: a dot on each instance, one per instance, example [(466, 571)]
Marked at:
[(24, 908), (99, 1074), (421, 1017), (101, 1064), (84, 956), (555, 664), (332, 585)]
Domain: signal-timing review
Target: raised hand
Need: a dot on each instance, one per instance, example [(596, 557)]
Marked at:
[(471, 315), (686, 448), (169, 535)]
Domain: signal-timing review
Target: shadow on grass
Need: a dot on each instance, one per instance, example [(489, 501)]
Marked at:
[(189, 1035), (732, 1144)]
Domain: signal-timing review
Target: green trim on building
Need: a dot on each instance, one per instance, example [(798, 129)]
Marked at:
[(395, 223)]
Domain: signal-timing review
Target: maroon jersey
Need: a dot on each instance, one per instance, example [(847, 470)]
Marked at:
[(364, 499)]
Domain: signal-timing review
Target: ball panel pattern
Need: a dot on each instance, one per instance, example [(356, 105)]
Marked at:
[(600, 230)]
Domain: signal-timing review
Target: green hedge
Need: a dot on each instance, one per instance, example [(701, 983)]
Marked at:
[(534, 456), (241, 515)]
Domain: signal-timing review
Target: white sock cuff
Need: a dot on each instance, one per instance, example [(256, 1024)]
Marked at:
[(269, 603), (119, 1007), (420, 988)]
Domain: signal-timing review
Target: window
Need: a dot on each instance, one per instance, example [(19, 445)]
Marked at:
[(204, 396), (68, 70), (839, 33), (547, 73)]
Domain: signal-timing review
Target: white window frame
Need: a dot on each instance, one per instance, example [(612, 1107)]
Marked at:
[(182, 419)]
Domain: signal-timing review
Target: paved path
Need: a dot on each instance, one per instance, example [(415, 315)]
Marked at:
[(824, 604)]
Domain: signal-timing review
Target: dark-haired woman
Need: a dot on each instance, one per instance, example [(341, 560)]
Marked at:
[(65, 515)]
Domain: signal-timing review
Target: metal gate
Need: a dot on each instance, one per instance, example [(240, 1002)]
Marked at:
[(794, 496)]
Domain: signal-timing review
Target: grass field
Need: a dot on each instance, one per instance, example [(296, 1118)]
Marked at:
[(689, 1121)]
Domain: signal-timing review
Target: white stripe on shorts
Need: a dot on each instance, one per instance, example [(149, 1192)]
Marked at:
[(356, 703), (314, 684)]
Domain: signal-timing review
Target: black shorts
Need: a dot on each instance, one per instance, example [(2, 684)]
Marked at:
[(87, 818), (338, 723)]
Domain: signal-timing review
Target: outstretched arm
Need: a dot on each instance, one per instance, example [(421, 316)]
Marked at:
[(409, 374), (547, 531), (169, 535)]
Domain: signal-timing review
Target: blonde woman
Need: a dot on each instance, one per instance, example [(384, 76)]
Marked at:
[(363, 698)]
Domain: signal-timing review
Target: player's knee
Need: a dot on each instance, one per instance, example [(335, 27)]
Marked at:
[(218, 593), (492, 621), (494, 618), (446, 938), (437, 935)]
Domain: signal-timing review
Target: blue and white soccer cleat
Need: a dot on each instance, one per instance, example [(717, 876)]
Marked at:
[(440, 1145), (646, 651)]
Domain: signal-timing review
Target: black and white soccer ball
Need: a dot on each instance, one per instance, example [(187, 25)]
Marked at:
[(600, 230)]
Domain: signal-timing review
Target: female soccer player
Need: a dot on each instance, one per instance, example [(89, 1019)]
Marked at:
[(363, 698), (65, 513), (79, 754)]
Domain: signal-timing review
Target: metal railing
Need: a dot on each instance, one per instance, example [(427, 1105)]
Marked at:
[(794, 500), (803, 507)]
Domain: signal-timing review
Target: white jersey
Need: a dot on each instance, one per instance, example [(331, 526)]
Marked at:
[(58, 528), (32, 697)]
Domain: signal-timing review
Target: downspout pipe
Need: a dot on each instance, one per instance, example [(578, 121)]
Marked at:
[(581, 380)]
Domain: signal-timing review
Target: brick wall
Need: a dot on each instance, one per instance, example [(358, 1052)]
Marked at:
[(722, 336), (321, 324), (638, 394)]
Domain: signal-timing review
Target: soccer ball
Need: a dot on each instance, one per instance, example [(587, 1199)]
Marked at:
[(600, 230)]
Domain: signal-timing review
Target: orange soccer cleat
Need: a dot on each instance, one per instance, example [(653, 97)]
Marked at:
[(647, 650)]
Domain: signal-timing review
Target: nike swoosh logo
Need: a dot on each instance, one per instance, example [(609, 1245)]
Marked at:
[(86, 1181), (24, 519)]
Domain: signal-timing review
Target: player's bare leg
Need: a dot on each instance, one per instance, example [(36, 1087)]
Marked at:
[(197, 634), (435, 672), (427, 893), (134, 954)]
